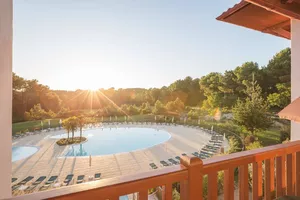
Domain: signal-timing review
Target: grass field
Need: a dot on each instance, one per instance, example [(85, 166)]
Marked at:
[(269, 137), (21, 127)]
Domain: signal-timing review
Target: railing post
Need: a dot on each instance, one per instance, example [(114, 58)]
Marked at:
[(195, 177)]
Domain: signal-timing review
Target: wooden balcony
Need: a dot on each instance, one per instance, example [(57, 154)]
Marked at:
[(274, 170)]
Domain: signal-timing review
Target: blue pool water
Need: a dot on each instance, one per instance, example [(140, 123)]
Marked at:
[(116, 140), (19, 153), (123, 198)]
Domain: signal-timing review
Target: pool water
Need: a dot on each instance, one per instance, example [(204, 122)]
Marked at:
[(123, 198), (19, 153), (115, 140)]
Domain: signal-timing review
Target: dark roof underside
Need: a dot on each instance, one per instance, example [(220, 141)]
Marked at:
[(255, 17)]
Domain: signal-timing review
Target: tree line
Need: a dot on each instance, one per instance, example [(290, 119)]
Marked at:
[(32, 100)]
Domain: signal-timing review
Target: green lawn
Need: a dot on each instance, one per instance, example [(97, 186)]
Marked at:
[(22, 127), (269, 137), (32, 125)]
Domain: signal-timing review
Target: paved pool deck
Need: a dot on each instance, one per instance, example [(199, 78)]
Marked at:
[(48, 160)]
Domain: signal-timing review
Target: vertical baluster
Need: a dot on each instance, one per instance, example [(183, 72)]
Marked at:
[(289, 174), (183, 190), (279, 179), (284, 174), (243, 182), (168, 191), (267, 183), (272, 173), (213, 186), (297, 192), (294, 173), (257, 180), (229, 184), (143, 195)]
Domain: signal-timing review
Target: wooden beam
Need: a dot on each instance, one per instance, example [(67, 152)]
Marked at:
[(279, 25), (280, 32), (288, 10), (278, 29)]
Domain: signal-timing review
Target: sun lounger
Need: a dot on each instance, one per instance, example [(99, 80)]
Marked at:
[(164, 163), (97, 176), (174, 162), (153, 166), (68, 179), (23, 182), (36, 183), (195, 154), (80, 179), (29, 178), (206, 153), (39, 180), (51, 180)]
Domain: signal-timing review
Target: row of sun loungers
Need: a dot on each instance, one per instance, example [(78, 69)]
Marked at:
[(207, 151), (113, 123), (49, 182), (167, 163)]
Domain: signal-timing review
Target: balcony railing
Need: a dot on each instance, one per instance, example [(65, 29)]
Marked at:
[(274, 169)]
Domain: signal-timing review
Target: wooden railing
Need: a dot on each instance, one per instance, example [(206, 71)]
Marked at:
[(274, 170)]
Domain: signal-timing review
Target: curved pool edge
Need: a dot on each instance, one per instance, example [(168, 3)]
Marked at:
[(65, 151), (37, 148)]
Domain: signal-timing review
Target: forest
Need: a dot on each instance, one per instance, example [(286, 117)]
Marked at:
[(193, 96)]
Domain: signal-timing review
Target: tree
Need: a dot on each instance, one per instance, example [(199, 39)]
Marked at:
[(71, 124), (146, 108), (281, 98), (81, 122), (252, 114), (37, 113), (67, 126), (159, 108), (175, 106), (277, 71), (211, 85)]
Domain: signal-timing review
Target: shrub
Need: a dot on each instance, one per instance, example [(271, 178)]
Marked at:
[(66, 141), (285, 133), (235, 145), (249, 139), (254, 145), (37, 113), (159, 108)]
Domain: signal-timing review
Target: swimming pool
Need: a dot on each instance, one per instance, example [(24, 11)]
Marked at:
[(123, 198), (115, 140), (19, 153)]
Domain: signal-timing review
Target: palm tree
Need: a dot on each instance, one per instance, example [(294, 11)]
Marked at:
[(73, 124), (67, 126), (81, 123)]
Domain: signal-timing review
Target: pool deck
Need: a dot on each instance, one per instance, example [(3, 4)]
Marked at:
[(47, 161)]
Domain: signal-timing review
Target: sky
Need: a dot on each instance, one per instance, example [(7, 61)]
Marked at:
[(91, 44)]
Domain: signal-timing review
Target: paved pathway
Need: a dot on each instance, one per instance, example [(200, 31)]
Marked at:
[(47, 161)]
